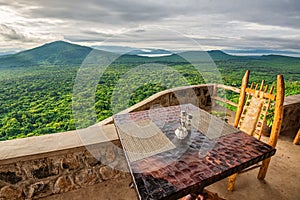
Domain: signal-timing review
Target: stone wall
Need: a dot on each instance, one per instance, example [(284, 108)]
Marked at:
[(65, 171), (291, 114), (196, 95)]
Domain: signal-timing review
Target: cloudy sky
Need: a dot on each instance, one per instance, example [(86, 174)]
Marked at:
[(171, 24)]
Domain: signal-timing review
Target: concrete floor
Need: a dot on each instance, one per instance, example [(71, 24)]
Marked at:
[(281, 183), (108, 190)]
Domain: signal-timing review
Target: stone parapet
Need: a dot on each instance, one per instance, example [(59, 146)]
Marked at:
[(291, 113), (54, 172)]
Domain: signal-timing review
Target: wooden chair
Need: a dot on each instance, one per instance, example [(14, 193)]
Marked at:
[(254, 104)]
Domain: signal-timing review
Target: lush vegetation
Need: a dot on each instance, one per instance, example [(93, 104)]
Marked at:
[(37, 98)]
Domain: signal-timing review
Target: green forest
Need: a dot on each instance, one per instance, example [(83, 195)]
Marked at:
[(36, 98)]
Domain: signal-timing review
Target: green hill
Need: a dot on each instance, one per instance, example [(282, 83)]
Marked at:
[(58, 52), (206, 56)]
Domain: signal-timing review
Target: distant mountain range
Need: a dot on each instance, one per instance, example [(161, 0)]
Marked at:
[(133, 51), (64, 53), (258, 52)]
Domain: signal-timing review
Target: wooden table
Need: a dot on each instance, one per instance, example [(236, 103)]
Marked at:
[(165, 167)]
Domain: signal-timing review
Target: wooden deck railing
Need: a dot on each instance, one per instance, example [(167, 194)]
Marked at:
[(216, 98)]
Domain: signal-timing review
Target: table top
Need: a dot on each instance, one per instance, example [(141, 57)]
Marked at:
[(165, 167)]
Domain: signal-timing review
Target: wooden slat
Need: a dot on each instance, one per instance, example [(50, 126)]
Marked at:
[(215, 91), (225, 101), (266, 89), (262, 85), (226, 87), (265, 95), (272, 88), (241, 98)]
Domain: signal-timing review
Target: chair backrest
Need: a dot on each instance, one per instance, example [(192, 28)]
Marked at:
[(254, 105)]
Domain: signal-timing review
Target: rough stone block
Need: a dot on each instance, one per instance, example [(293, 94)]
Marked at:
[(10, 177), (107, 172), (11, 193), (91, 161), (70, 162), (63, 184), (86, 177), (42, 172), (39, 189), (10, 174), (40, 169), (2, 184), (110, 154)]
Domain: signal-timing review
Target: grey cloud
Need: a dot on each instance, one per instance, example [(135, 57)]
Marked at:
[(212, 22), (82, 39), (140, 31), (268, 12), (275, 42), (87, 36), (96, 33), (254, 43), (9, 33)]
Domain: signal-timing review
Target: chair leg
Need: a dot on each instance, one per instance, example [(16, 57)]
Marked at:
[(263, 169), (297, 138), (231, 181)]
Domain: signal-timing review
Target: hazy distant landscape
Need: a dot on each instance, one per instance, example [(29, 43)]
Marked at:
[(36, 85)]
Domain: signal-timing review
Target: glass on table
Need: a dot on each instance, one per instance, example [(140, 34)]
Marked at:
[(189, 122), (182, 117)]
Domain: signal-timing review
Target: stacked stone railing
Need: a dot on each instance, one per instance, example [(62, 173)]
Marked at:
[(35, 167), (291, 114)]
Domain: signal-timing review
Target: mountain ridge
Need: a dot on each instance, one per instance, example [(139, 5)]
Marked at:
[(58, 52), (65, 53)]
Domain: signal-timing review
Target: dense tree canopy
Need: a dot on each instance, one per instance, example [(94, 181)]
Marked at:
[(37, 100)]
